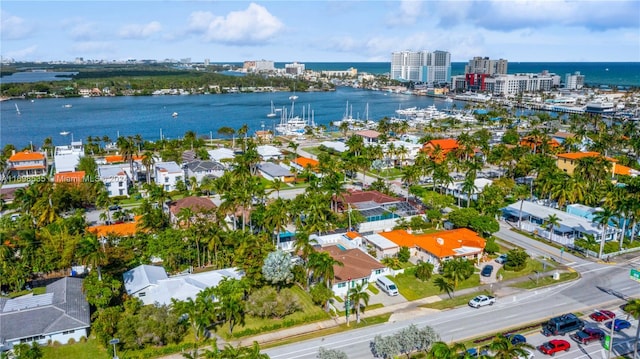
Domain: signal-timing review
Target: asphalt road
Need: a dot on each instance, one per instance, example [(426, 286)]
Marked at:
[(601, 286)]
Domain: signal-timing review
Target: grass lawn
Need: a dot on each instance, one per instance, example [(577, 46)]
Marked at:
[(309, 313), (546, 280), (531, 267), (364, 322), (313, 150), (90, 349), (412, 288), (373, 289), (456, 301)]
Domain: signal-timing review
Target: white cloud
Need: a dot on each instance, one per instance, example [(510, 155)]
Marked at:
[(253, 25), (93, 47), (24, 53), (13, 27), (139, 31), (410, 11)]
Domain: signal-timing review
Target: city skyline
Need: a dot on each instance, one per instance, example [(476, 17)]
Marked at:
[(319, 31)]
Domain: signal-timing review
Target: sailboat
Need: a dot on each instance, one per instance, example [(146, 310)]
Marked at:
[(273, 111), (17, 109)]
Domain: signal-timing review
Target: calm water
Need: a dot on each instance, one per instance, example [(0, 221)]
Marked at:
[(204, 114)]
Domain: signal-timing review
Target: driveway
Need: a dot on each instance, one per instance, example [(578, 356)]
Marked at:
[(491, 279)]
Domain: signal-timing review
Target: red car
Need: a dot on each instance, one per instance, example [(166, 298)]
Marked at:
[(553, 346), (602, 315), (587, 335)]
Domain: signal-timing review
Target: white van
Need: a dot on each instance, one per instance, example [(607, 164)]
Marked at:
[(387, 286)]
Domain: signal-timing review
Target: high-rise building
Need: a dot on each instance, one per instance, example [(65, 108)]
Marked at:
[(484, 65), (574, 81), (421, 66)]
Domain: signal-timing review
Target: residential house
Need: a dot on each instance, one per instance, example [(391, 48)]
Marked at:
[(221, 155), (197, 206), (120, 229), (537, 144), (201, 169), (347, 240), (271, 171), (562, 137), (59, 315), (269, 153), (570, 227), (27, 164), (335, 146), (115, 179), (439, 247), (568, 162), (401, 152), (456, 189), (301, 164), (264, 136), (151, 284), (438, 149), (383, 247), (373, 205), (67, 158), (369, 136), (357, 267), (168, 174)]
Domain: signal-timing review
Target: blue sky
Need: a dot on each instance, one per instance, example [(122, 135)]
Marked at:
[(319, 31)]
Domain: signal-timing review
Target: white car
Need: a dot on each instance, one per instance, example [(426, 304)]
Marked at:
[(502, 259), (529, 354), (481, 301)]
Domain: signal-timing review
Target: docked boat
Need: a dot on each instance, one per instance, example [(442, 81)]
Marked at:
[(293, 125), (273, 113), (175, 114), (17, 109)]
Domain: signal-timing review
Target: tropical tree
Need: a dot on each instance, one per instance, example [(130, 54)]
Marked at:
[(277, 268), (633, 308), (277, 216), (91, 254), (501, 347), (444, 285), (231, 293), (457, 270), (552, 222), (442, 350), (201, 314), (603, 217), (356, 295)]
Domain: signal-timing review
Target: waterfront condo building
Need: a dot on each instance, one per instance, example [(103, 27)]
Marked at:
[(421, 66), (574, 81)]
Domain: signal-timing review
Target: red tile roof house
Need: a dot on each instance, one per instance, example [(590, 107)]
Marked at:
[(438, 149), (438, 247), (27, 164), (369, 136), (357, 267), (197, 205)]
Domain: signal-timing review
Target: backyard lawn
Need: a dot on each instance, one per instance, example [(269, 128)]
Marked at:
[(90, 349), (412, 288)]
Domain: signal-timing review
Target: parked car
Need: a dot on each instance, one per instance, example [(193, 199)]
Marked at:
[(602, 315), (481, 301), (528, 354), (487, 270), (562, 325), (619, 325), (502, 259), (553, 346), (516, 338), (587, 335), (115, 207)]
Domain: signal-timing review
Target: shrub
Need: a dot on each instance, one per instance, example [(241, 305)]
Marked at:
[(516, 260), (320, 294), (491, 247), (404, 254), (267, 303), (71, 341), (423, 271)]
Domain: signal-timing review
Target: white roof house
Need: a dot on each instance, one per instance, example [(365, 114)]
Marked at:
[(220, 154), (152, 285), (268, 152), (384, 247), (456, 188), (168, 174), (66, 158), (335, 145), (570, 226), (115, 178)]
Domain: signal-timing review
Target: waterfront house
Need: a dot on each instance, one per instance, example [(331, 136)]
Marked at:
[(59, 315), (196, 205), (27, 164), (115, 178), (67, 158), (168, 174), (221, 155), (271, 171), (264, 136), (357, 267), (438, 247), (570, 227), (201, 169), (151, 284)]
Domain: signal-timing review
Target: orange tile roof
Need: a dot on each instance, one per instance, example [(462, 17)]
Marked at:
[(26, 156), (451, 240), (119, 158), (304, 162), (579, 155), (69, 177), (353, 235), (34, 167), (622, 170), (120, 229), (445, 144)]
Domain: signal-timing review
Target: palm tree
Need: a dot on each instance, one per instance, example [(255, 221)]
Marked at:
[(457, 270), (442, 350), (633, 308), (277, 216), (603, 217), (91, 254), (520, 192), (147, 162), (356, 295), (552, 221), (444, 285), (502, 348), (294, 146), (321, 265)]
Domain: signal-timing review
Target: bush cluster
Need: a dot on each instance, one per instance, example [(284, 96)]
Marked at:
[(267, 303)]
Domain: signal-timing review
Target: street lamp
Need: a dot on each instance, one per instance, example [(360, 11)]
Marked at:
[(114, 341)]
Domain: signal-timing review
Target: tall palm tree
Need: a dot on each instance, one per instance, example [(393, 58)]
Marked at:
[(91, 254), (444, 285), (277, 217), (501, 347), (442, 350), (356, 295), (147, 162), (633, 308), (457, 270), (552, 222), (603, 217)]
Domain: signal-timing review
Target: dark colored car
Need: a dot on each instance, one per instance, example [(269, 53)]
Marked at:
[(587, 335), (602, 315), (619, 325), (516, 338), (487, 270), (553, 346), (115, 207)]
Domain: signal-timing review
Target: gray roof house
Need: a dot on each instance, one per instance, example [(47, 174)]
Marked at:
[(152, 285), (271, 171), (59, 315), (201, 169)]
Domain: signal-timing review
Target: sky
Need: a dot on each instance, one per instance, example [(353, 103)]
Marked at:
[(319, 31)]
